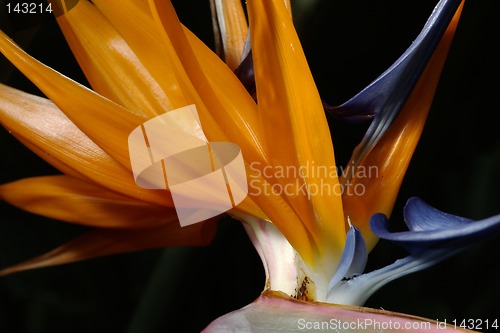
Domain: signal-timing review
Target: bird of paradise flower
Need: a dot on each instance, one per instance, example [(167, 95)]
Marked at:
[(320, 234)]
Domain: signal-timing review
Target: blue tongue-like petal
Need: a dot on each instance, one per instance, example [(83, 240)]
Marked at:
[(419, 216), (433, 237), (353, 259), (430, 228), (357, 290)]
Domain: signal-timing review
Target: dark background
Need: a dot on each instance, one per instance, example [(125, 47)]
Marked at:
[(348, 43)]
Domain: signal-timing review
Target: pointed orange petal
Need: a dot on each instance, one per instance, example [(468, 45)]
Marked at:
[(275, 206), (105, 54), (213, 84), (288, 6), (294, 124), (43, 128), (244, 116), (383, 169), (232, 115), (72, 200), (100, 131), (135, 24), (103, 242), (228, 101), (105, 122), (108, 62)]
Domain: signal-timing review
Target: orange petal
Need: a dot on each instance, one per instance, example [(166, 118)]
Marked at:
[(43, 128), (231, 106), (295, 128), (213, 84), (108, 62), (234, 29), (288, 6), (381, 172), (228, 101), (275, 206), (135, 24), (105, 122), (103, 242), (72, 200), (243, 110)]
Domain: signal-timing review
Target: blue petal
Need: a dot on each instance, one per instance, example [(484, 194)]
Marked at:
[(383, 98), (420, 216), (347, 115), (246, 75), (433, 237), (431, 228), (357, 290), (353, 259)]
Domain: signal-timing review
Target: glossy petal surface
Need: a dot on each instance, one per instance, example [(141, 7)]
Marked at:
[(46, 130), (295, 128)]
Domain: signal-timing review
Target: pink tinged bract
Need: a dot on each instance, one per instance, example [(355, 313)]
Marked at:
[(275, 312)]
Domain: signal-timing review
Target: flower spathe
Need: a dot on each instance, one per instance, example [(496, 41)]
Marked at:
[(275, 312)]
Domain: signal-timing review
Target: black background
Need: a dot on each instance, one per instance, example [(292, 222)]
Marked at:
[(348, 43)]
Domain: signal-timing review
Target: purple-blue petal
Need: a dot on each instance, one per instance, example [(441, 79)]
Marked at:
[(353, 259), (246, 75), (420, 216), (344, 114), (431, 229), (357, 290), (433, 237)]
